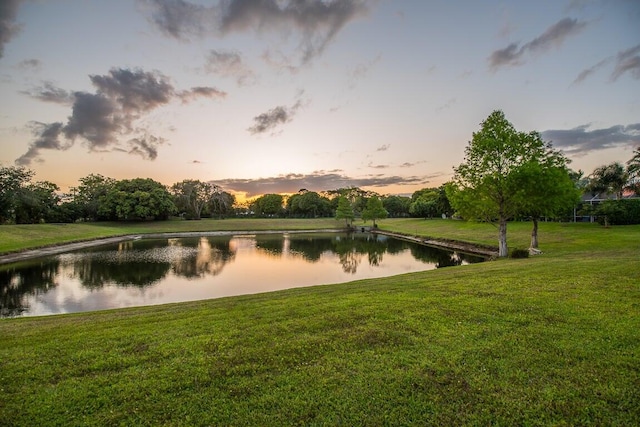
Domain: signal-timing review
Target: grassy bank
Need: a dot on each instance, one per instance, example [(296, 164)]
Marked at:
[(549, 340)]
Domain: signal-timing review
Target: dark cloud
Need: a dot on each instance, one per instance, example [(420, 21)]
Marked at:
[(372, 166), (274, 117), (46, 137), (316, 181), (315, 22), (48, 92), (229, 64), (580, 140), (8, 25), (103, 118), (555, 35), (627, 61)]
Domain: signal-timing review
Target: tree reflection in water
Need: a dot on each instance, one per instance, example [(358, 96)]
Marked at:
[(25, 278), (146, 263)]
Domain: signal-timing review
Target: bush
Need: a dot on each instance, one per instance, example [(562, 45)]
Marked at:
[(619, 212), (519, 253)]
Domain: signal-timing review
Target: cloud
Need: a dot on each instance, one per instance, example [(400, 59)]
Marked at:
[(8, 26), (513, 54), (48, 92), (46, 137), (627, 61), (589, 71), (30, 65), (315, 22), (102, 118), (361, 70), (383, 147), (275, 116), (580, 140), (229, 64), (315, 181)]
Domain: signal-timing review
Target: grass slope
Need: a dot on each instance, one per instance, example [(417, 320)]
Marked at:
[(549, 340)]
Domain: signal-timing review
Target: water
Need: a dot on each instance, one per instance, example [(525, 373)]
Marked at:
[(157, 271)]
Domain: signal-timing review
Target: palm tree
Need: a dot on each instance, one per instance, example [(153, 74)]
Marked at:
[(609, 179), (633, 170)]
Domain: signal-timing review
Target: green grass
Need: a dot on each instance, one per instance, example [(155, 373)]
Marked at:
[(549, 340)]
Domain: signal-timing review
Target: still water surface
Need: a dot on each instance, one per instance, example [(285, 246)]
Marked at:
[(158, 271)]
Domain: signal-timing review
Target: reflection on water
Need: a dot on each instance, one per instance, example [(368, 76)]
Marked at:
[(157, 271)]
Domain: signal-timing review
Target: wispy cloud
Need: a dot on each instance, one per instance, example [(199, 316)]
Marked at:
[(8, 25), (582, 140), (625, 62), (102, 118), (315, 23), (316, 181), (361, 70), (229, 64), (554, 36), (383, 147), (276, 116)]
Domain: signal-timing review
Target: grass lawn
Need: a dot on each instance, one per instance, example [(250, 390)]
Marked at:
[(549, 340)]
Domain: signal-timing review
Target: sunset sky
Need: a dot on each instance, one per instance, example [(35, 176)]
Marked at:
[(262, 96)]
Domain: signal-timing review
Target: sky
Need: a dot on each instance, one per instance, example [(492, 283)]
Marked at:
[(273, 96)]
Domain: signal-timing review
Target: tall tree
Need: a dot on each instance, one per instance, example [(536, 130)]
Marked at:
[(345, 211), (374, 210), (137, 199), (268, 205), (485, 185), (546, 187)]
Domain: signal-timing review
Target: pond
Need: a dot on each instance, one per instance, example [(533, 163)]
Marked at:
[(157, 271)]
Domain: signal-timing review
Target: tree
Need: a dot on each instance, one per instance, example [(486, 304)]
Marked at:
[(485, 185), (548, 189), (397, 206), (633, 170), (609, 179), (345, 211), (37, 202), (374, 210), (137, 199), (308, 204), (13, 181), (268, 205), (221, 202), (191, 196), (91, 193)]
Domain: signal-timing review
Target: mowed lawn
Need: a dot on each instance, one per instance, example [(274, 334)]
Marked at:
[(549, 340)]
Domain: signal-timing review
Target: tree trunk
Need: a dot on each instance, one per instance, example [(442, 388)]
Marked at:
[(503, 251), (534, 234)]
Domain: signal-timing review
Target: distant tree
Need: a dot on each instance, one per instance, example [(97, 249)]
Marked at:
[(268, 205), (13, 180), (191, 196), (91, 193), (37, 202), (609, 179), (397, 206), (633, 170), (424, 203), (137, 199), (485, 185), (308, 204), (221, 202), (345, 211), (374, 210)]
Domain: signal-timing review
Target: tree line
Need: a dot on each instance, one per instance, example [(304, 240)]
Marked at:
[(506, 174)]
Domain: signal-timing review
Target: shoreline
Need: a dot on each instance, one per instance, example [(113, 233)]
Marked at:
[(72, 246)]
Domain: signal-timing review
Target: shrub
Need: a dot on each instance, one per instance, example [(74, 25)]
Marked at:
[(619, 212), (519, 253)]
